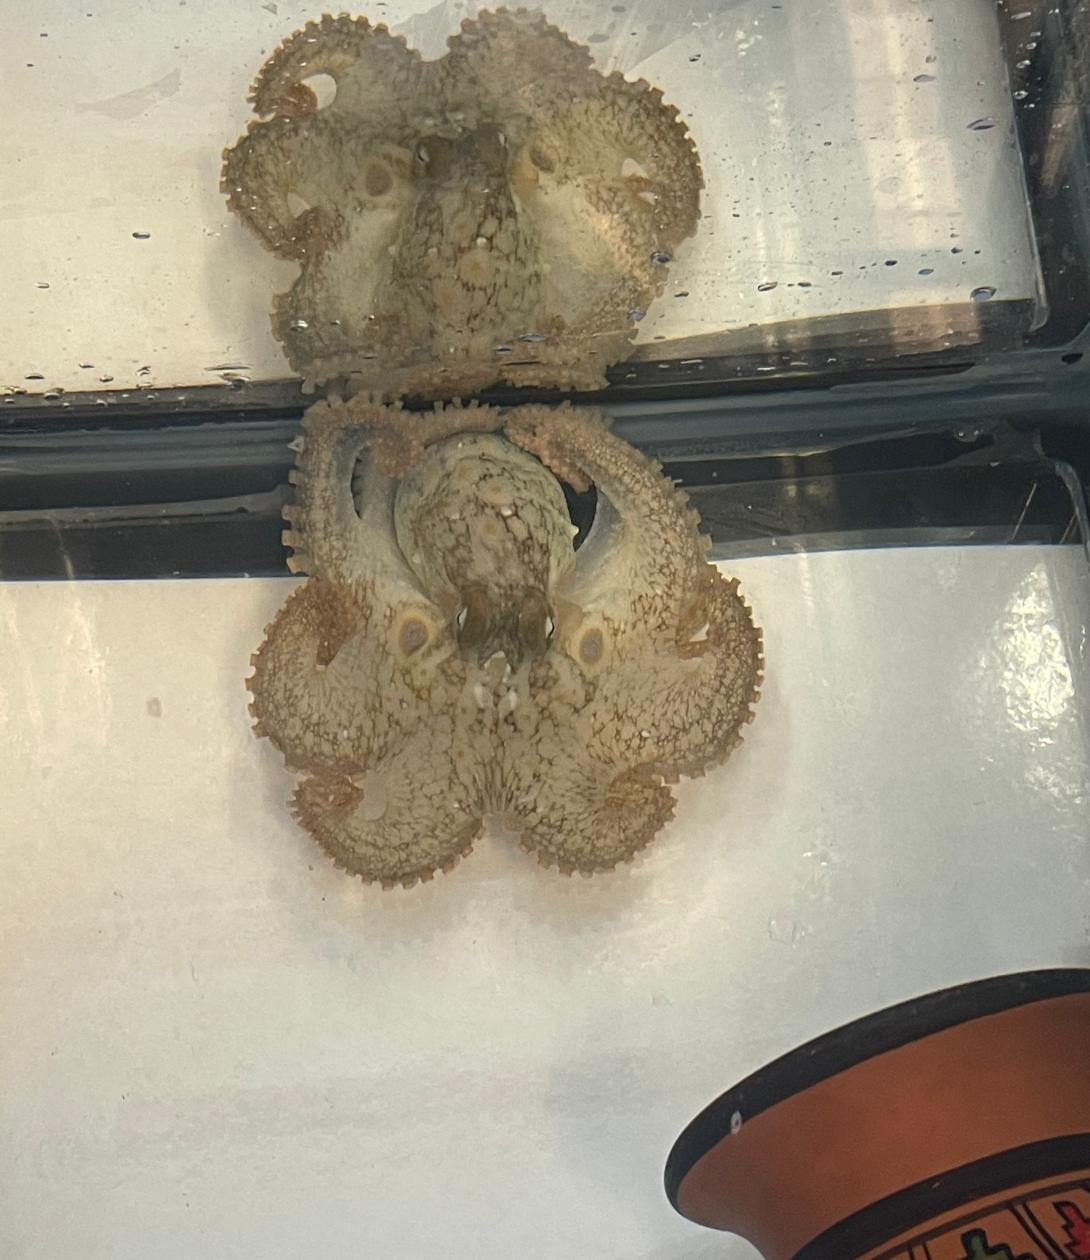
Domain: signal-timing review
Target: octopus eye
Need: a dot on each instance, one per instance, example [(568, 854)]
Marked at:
[(550, 626), (590, 649), (377, 180), (414, 634), (541, 160)]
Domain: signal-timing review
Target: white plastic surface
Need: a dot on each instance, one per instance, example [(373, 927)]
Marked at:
[(834, 136), (214, 1044)]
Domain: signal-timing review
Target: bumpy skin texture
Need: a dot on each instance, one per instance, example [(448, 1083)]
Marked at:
[(505, 212), (453, 656)]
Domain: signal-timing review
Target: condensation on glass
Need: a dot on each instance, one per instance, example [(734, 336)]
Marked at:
[(881, 177)]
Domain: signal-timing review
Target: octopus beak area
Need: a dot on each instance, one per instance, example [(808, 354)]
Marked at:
[(516, 623)]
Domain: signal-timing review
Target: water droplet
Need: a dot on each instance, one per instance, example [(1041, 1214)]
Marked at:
[(105, 379), (1021, 15), (927, 271), (87, 365), (1020, 95), (1022, 65), (923, 78), (1031, 45), (891, 262), (696, 57), (532, 337), (661, 258), (736, 1122), (767, 287), (503, 349), (957, 250), (53, 394), (42, 284), (144, 371), (299, 324), (836, 273), (982, 124), (804, 284), (34, 376), (682, 293), (984, 293), (636, 316), (141, 236)]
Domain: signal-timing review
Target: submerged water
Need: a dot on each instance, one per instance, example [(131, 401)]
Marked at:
[(215, 1043)]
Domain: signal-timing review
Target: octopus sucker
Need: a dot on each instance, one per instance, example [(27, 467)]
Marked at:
[(444, 213), (452, 646)]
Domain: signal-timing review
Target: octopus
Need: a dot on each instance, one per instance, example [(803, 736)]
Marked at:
[(504, 213), (453, 656)]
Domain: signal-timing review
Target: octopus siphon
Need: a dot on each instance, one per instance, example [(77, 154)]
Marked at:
[(454, 656), (504, 213)]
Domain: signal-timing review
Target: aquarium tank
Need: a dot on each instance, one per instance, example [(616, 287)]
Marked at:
[(544, 564)]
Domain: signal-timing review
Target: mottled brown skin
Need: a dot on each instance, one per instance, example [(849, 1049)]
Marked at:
[(506, 212), (452, 656)]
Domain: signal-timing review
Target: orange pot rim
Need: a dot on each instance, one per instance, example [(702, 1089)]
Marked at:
[(856, 1043)]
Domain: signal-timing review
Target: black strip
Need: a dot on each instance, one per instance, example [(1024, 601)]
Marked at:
[(892, 1216), (863, 1039)]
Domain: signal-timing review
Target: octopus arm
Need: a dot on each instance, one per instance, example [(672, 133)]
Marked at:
[(515, 64), (352, 455), (668, 641), (371, 68), (681, 711), (644, 549), (302, 176), (403, 821), (590, 814), (339, 683), (613, 183)]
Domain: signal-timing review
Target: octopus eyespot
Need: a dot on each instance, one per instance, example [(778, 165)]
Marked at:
[(377, 180), (550, 626), (460, 619), (590, 646), (414, 635)]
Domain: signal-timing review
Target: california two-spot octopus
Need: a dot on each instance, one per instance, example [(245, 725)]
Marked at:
[(454, 656), (505, 212)]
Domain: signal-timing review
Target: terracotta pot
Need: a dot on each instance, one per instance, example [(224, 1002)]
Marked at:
[(952, 1127)]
